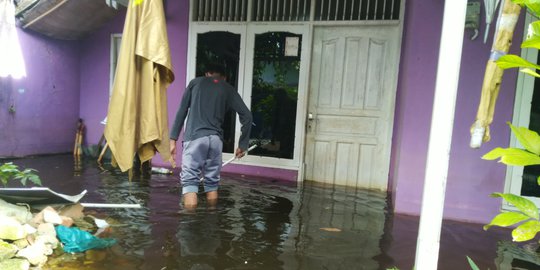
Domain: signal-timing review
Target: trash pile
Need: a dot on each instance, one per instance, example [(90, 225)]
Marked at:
[(27, 240)]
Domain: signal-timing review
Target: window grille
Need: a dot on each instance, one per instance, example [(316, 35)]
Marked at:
[(356, 10), (220, 10), (281, 10), (295, 10)]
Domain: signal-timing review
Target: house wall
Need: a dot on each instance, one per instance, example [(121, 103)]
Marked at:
[(95, 66), (470, 179), (45, 103)]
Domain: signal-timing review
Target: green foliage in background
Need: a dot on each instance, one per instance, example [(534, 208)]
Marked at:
[(10, 171), (527, 215)]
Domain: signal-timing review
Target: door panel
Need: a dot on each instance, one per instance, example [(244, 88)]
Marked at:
[(352, 94), (222, 45), (275, 87)]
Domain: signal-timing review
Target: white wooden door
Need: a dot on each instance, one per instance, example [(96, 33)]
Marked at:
[(351, 105)]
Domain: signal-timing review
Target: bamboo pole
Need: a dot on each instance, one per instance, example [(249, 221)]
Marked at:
[(506, 24), (77, 148)]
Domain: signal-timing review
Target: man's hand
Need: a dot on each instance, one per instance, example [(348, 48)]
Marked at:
[(172, 145), (239, 153)]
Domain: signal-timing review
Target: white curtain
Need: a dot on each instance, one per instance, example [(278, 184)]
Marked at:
[(11, 59)]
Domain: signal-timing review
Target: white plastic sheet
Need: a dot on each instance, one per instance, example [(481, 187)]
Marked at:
[(11, 58)]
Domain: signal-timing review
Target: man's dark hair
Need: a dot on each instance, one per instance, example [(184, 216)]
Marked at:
[(216, 68)]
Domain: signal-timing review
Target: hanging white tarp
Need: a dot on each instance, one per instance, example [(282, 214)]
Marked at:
[(11, 59)]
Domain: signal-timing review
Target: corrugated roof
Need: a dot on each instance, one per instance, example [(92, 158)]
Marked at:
[(64, 19)]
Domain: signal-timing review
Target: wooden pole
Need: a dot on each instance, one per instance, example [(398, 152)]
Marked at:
[(102, 153)]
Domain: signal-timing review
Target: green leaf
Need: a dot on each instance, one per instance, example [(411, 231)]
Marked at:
[(538, 180), (472, 264), (513, 61), (9, 171), (35, 179), (529, 71), (528, 138), (506, 219), (532, 5), (526, 231), (513, 156), (533, 36), (524, 205), (23, 180)]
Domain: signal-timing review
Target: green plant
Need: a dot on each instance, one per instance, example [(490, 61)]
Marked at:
[(472, 264), (527, 213), (10, 171)]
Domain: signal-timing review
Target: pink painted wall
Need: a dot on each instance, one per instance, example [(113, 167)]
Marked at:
[(470, 179), (46, 102)]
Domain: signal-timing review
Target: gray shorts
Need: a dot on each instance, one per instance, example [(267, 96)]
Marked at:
[(201, 158)]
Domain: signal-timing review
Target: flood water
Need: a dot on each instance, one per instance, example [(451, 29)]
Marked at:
[(257, 224)]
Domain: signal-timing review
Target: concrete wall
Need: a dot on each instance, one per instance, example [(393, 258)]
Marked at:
[(95, 66), (470, 179), (45, 103)]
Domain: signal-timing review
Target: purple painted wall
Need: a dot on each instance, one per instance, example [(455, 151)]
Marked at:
[(95, 66), (46, 102), (470, 179), (68, 79), (95, 62)]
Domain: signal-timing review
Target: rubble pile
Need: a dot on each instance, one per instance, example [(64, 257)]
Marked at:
[(27, 240)]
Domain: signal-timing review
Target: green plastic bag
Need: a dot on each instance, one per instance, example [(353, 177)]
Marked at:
[(76, 240)]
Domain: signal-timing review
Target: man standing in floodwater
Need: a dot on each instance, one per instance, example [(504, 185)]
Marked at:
[(207, 99)]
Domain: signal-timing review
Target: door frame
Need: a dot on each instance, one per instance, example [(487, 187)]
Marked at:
[(307, 48), (195, 29), (247, 43), (259, 28)]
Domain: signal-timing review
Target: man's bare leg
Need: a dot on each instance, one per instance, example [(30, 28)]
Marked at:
[(211, 198), (190, 200)]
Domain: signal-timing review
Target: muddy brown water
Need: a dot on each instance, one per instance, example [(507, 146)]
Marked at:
[(257, 224)]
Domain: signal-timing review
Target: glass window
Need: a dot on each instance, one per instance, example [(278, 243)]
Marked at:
[(276, 69), (222, 48)]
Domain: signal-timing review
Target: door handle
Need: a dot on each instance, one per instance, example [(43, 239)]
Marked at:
[(310, 118)]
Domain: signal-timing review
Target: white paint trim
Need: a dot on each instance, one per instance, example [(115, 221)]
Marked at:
[(113, 56), (198, 28), (303, 124), (440, 139), (521, 118), (253, 30)]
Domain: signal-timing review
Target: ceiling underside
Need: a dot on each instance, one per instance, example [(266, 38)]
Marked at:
[(66, 19)]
